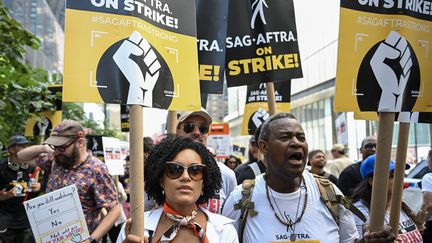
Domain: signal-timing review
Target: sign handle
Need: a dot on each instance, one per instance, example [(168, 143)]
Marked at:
[(172, 122), (137, 170), (399, 175), (381, 172), (271, 98)]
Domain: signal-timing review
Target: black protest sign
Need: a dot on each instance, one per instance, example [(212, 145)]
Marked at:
[(95, 145), (261, 43), (212, 18), (124, 118), (256, 108)]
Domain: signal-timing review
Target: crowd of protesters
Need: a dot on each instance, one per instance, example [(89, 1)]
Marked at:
[(190, 196)]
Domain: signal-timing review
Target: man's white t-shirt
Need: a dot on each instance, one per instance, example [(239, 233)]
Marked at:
[(427, 185), (229, 182), (317, 224), (408, 232)]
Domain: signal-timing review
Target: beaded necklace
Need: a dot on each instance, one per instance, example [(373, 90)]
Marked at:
[(289, 223)]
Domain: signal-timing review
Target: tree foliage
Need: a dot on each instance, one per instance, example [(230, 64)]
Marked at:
[(22, 88)]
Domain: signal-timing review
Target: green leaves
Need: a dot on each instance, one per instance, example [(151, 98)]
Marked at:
[(22, 88)]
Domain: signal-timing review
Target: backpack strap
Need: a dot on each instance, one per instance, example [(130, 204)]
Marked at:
[(245, 205), (332, 200), (255, 168)]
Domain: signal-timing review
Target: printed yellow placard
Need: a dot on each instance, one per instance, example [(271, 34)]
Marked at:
[(43, 124), (132, 52), (384, 57)]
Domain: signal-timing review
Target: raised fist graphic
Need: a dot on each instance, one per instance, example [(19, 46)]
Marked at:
[(392, 80), (140, 85), (43, 125), (260, 116)]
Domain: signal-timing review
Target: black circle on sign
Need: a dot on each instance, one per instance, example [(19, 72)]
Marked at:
[(108, 74), (251, 125), (367, 83)]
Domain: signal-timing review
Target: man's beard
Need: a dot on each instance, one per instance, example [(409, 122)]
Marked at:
[(67, 162)]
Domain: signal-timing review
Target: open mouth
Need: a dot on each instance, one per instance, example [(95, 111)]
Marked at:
[(296, 158)]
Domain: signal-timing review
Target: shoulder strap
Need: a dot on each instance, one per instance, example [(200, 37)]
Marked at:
[(255, 168), (332, 201), (245, 205)]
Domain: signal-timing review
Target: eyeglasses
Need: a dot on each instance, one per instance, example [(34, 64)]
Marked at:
[(370, 145), (174, 170), (190, 127), (63, 147)]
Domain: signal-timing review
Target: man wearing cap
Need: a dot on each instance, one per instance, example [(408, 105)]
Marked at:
[(340, 161), (195, 125), (16, 186), (73, 165), (255, 166), (350, 176)]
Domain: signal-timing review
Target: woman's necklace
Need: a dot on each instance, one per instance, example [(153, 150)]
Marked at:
[(289, 223)]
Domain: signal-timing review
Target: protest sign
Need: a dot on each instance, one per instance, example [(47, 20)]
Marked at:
[(384, 56), (41, 124), (341, 129), (261, 43), (219, 138), (383, 63), (113, 155), (57, 216), (132, 52), (124, 118), (256, 108), (211, 31), (94, 144)]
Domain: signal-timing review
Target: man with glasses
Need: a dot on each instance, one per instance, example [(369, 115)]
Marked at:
[(195, 125), (73, 165), (16, 187), (351, 176)]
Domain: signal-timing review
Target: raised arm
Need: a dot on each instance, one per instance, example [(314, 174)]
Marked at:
[(33, 152)]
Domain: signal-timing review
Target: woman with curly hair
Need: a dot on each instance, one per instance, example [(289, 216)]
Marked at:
[(181, 175)]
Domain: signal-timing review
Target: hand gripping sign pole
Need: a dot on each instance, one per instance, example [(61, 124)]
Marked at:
[(172, 122), (271, 98), (399, 174), (137, 169), (381, 173)]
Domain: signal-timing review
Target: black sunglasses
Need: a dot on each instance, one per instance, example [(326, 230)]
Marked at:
[(370, 145), (174, 170), (63, 147), (190, 127)]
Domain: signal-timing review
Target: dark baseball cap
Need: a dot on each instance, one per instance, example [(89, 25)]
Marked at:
[(18, 139), (64, 132)]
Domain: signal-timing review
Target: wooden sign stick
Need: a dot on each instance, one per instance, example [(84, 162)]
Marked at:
[(399, 175), (136, 175), (172, 122), (381, 172), (271, 98)]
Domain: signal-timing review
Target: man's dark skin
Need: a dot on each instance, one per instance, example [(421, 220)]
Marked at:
[(350, 176), (283, 143)]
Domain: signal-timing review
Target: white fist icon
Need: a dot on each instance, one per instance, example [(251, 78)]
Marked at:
[(140, 86), (394, 47), (42, 126), (260, 116)]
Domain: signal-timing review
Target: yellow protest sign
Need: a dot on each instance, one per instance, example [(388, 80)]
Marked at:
[(132, 52), (384, 57)]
